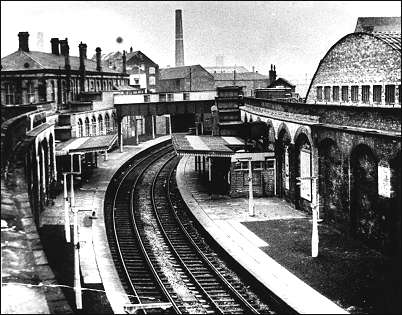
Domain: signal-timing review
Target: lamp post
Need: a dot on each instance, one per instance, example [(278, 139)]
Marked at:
[(66, 213), (314, 210)]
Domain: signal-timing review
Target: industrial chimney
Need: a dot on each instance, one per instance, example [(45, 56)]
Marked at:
[(179, 40)]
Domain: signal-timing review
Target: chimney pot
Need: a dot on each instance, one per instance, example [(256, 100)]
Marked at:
[(124, 62), (83, 55), (131, 49), (23, 41), (64, 48), (98, 59), (55, 46)]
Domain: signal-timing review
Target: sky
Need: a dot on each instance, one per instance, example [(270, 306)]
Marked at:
[(293, 35)]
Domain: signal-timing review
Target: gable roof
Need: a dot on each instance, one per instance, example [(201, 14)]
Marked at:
[(281, 80), (243, 76), (180, 72), (117, 55), (41, 60)]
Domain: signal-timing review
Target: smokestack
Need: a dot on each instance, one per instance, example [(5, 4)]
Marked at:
[(179, 40), (55, 46), (23, 41), (98, 59)]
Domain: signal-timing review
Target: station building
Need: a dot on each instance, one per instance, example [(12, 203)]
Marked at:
[(53, 99)]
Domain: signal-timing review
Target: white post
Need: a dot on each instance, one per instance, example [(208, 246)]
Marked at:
[(250, 190), (170, 125), (105, 158), (153, 126), (209, 169), (72, 202), (77, 280), (314, 234), (136, 130), (66, 211)]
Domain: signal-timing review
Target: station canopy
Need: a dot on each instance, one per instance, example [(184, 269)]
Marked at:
[(85, 145), (211, 146)]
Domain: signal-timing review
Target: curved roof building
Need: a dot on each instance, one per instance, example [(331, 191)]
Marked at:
[(361, 69)]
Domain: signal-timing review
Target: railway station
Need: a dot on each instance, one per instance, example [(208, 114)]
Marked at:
[(129, 189)]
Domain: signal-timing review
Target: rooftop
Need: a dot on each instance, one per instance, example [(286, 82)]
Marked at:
[(179, 72), (34, 60), (243, 76)]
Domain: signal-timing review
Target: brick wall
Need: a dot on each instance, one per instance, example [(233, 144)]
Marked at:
[(358, 59)]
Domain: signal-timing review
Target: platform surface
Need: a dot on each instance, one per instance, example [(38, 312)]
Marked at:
[(221, 218)]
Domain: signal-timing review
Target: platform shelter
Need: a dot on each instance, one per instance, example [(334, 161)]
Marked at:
[(225, 156), (81, 154)]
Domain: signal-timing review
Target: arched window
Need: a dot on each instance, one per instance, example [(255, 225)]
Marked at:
[(100, 123), (53, 92), (93, 126), (114, 122), (107, 123), (87, 127), (80, 128), (98, 88)]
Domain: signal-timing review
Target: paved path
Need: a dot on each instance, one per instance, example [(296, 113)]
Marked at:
[(95, 258), (221, 218)]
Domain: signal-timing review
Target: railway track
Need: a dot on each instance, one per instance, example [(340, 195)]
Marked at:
[(159, 254)]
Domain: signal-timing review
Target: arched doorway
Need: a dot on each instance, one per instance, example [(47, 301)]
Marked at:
[(364, 192), (282, 154), (302, 168), (332, 184)]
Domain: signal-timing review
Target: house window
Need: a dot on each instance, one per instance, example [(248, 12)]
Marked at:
[(319, 93), (377, 93), (92, 85), (170, 97), (151, 70), (366, 94), (87, 127), (152, 80), (93, 126), (100, 123), (345, 96), (53, 93), (389, 94), (30, 92), (42, 91), (335, 93), (257, 165), (327, 93), (354, 93), (177, 83), (241, 166), (80, 129), (107, 123), (147, 98), (186, 96), (162, 97), (136, 81), (10, 94)]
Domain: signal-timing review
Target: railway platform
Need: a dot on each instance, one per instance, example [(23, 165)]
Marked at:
[(96, 262), (223, 218)]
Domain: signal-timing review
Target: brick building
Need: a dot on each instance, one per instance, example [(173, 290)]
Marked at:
[(143, 72), (186, 78), (248, 80), (53, 98), (361, 69), (33, 77)]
